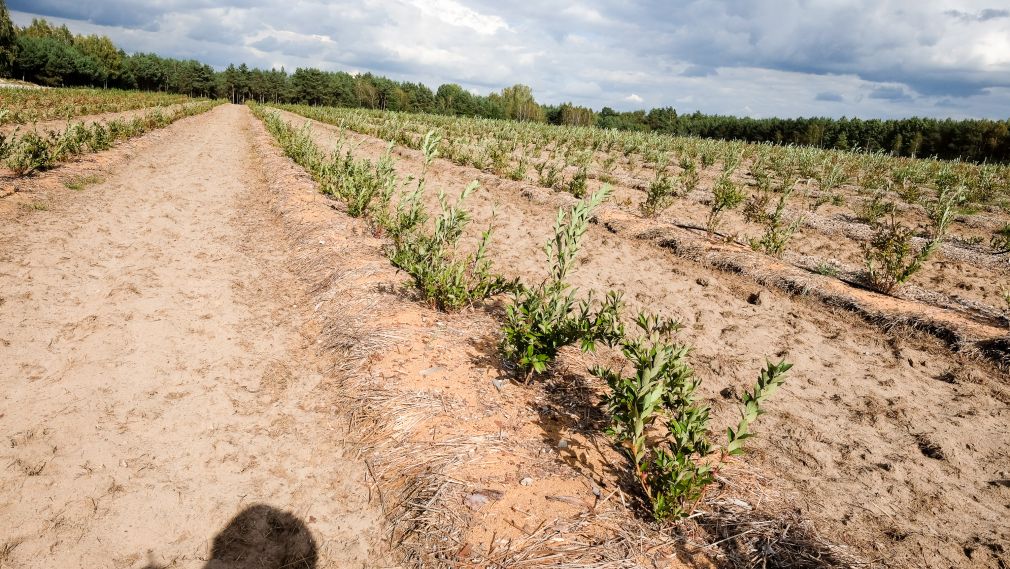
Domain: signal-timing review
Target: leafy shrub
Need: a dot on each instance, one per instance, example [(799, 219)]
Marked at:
[(6, 144), (30, 153), (447, 279), (661, 193), (689, 176), (296, 143), (358, 182), (832, 176), (756, 208), (577, 185), (870, 211), (890, 256), (518, 170), (726, 195), (550, 174), (778, 230), (675, 465), (542, 319)]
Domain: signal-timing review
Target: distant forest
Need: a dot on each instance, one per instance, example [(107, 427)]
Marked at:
[(49, 55)]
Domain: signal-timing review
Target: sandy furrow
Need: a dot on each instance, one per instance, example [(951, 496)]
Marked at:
[(894, 444), (157, 366)]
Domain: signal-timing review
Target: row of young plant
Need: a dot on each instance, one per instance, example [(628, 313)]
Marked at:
[(771, 175), (560, 154), (28, 105), (31, 151), (657, 419)]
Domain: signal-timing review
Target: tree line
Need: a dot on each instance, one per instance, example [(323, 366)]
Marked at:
[(976, 140), (53, 56)]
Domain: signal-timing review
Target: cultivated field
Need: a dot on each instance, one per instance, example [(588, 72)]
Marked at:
[(22, 106), (32, 140), (789, 357)]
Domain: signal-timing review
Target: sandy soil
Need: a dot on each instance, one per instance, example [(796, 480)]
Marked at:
[(160, 380), (891, 442)]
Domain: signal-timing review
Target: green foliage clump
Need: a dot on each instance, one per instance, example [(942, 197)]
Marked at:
[(662, 428), (30, 153), (870, 211), (891, 258), (662, 191), (778, 230), (1000, 241), (444, 277), (726, 195), (546, 317)]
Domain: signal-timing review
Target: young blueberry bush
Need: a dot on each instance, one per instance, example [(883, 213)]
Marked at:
[(445, 277), (778, 228), (543, 318), (662, 190), (726, 195), (662, 428), (890, 255)]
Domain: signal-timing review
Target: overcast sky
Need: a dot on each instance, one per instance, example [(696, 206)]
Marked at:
[(866, 58)]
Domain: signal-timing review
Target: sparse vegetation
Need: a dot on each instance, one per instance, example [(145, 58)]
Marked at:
[(827, 269), (80, 182), (662, 428), (726, 195), (890, 256), (33, 152), (543, 318)]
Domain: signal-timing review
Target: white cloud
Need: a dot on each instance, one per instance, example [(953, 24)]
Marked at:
[(456, 14), (868, 58)]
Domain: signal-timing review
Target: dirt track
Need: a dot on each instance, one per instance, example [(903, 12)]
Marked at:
[(157, 374)]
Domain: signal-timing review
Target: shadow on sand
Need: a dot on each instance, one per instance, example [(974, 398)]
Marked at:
[(261, 537)]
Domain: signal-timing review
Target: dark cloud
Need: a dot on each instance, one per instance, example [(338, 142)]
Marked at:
[(117, 13), (980, 16), (829, 97)]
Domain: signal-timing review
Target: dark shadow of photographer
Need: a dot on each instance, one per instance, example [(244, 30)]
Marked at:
[(262, 537)]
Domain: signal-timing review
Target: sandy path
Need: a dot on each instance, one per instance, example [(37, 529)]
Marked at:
[(156, 373)]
